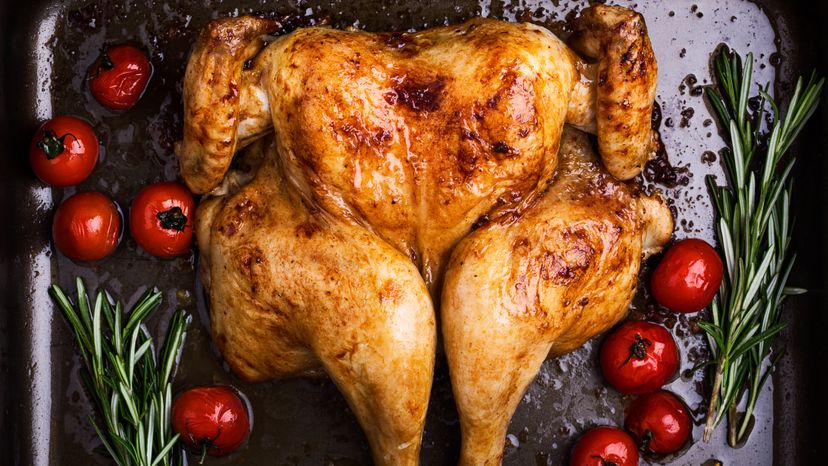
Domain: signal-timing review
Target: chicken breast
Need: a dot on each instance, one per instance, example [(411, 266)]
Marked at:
[(418, 136)]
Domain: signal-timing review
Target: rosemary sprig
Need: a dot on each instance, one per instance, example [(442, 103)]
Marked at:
[(754, 231), (130, 385)]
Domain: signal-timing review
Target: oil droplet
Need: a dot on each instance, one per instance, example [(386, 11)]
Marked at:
[(775, 59), (708, 157)]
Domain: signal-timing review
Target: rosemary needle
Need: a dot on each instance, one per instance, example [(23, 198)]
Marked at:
[(130, 385), (754, 231)]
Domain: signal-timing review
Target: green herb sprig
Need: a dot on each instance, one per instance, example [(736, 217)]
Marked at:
[(754, 231), (129, 384)]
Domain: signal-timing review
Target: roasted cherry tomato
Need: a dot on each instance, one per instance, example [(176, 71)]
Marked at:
[(64, 151), (688, 276), (605, 446), (161, 219), (87, 226), (119, 77), (659, 421), (639, 357), (212, 420)]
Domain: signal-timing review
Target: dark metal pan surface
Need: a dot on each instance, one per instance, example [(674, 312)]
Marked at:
[(45, 50)]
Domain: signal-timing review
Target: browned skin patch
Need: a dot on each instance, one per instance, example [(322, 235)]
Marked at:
[(308, 228), (391, 292), (417, 95)]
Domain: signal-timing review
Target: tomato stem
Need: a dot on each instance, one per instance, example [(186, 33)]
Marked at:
[(603, 461), (106, 61), (638, 349), (714, 401), (173, 219), (204, 446), (51, 144), (645, 440)]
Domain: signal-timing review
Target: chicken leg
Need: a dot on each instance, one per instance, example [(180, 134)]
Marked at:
[(518, 291), (295, 292)]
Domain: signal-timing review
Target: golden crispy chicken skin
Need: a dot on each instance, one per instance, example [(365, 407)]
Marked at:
[(416, 136), (626, 78), (519, 291), (212, 98), (370, 157), (294, 291)]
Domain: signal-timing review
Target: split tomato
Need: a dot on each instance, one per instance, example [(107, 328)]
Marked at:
[(119, 77)]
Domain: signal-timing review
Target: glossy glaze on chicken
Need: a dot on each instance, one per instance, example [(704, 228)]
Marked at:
[(385, 166)]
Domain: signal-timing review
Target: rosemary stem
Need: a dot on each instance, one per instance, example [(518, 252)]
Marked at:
[(714, 400), (731, 424)]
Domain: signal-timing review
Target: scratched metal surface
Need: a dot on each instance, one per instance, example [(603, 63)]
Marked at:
[(47, 48)]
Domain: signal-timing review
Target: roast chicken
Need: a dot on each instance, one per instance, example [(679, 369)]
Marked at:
[(361, 187)]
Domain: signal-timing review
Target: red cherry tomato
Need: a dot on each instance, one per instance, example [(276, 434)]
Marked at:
[(212, 420), (639, 357), (659, 421), (120, 76), (161, 219), (63, 152), (87, 226), (688, 276), (604, 446)]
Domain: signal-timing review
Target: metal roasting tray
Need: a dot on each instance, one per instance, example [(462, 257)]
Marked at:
[(46, 48)]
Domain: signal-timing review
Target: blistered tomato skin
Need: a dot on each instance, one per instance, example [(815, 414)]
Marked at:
[(161, 219), (639, 357), (64, 151), (211, 420), (688, 276), (604, 446), (660, 422), (87, 226), (120, 76)]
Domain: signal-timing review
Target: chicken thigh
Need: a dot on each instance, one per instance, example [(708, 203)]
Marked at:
[(370, 158)]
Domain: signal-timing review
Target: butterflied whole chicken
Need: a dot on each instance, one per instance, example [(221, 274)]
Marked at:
[(387, 173)]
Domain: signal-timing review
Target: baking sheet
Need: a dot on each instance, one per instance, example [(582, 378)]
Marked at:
[(47, 48)]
